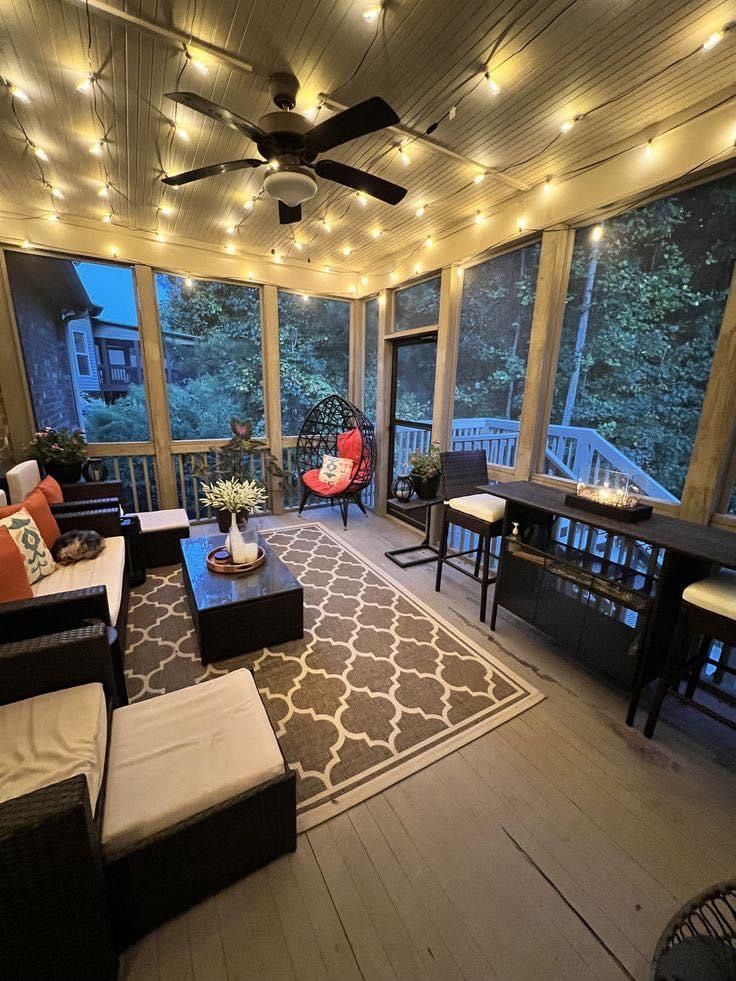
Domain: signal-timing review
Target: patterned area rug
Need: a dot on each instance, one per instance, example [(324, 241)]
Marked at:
[(379, 687)]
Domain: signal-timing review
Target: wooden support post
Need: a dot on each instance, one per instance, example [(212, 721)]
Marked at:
[(384, 382), (448, 337), (544, 348), (13, 382), (715, 439), (272, 385), (357, 353), (157, 395)]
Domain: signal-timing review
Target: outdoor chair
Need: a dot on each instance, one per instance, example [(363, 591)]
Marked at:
[(466, 507), (700, 939), (336, 428)]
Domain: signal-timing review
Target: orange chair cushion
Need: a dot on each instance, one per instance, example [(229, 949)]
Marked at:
[(321, 487), (14, 583), (38, 508), (350, 445), (51, 490)]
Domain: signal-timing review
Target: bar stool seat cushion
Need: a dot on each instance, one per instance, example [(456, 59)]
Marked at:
[(52, 737), (166, 520), (716, 594), (176, 755), (485, 507)]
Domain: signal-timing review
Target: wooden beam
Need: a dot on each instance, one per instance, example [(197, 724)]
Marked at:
[(13, 381), (715, 438), (544, 348), (448, 338), (357, 353), (384, 381), (157, 396), (272, 384)]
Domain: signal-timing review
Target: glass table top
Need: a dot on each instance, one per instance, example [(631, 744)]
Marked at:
[(214, 589)]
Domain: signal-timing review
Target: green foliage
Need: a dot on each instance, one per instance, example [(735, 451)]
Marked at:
[(58, 446)]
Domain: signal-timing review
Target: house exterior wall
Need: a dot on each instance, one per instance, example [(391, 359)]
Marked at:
[(43, 339)]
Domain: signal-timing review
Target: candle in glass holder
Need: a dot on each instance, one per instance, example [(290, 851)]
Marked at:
[(250, 552)]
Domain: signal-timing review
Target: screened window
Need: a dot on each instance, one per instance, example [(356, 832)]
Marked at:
[(644, 309), (70, 315), (314, 348), (495, 326), (418, 305), (371, 358), (212, 346)]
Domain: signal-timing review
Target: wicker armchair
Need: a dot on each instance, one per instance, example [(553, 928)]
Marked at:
[(336, 427), (700, 939)]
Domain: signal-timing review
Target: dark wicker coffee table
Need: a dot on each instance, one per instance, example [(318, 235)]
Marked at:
[(237, 614)]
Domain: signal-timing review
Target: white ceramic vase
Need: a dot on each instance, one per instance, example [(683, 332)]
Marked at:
[(235, 543)]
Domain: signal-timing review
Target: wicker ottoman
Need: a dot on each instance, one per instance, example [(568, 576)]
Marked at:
[(198, 795), (161, 532)]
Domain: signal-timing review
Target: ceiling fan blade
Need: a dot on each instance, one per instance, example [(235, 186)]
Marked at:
[(224, 116), (287, 215), (366, 117), (360, 180), (212, 171)]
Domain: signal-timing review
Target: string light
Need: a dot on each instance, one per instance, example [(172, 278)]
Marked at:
[(596, 233), (159, 237), (277, 257), (57, 193), (479, 218), (189, 282), (41, 153), (371, 14), (364, 280), (181, 134), (428, 242), (547, 186), (165, 210), (417, 268), (196, 62), (382, 299), (298, 245), (494, 87), (250, 204), (479, 178), (362, 199), (97, 147), (376, 233), (311, 113), (327, 269), (250, 275), (305, 298), (567, 126), (107, 218), (230, 230), (114, 252), (404, 157), (420, 211), (347, 251), (18, 94), (104, 191), (521, 223), (649, 148), (353, 289), (326, 226), (394, 276), (53, 217), (273, 164), (713, 40), (230, 248), (25, 244), (84, 86)]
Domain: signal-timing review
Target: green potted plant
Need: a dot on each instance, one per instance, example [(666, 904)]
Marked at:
[(426, 471), (231, 463), (235, 498), (61, 452)]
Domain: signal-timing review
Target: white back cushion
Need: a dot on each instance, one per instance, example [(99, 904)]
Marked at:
[(22, 479), (3, 499)]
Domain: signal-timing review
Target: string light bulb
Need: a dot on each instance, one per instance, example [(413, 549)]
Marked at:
[(404, 157), (277, 257), (57, 193), (479, 178), (25, 244), (393, 276), (298, 245), (326, 226), (649, 148), (104, 191), (428, 242), (250, 275), (479, 218), (305, 298), (362, 199), (41, 153), (107, 218), (250, 204), (189, 282), (376, 233), (159, 237), (327, 268), (230, 230), (181, 134), (97, 147), (52, 216), (353, 289), (417, 268), (165, 210), (347, 251), (596, 233), (18, 94), (567, 126), (493, 86), (84, 85), (364, 280), (196, 61), (371, 14), (420, 211), (114, 252), (547, 186), (230, 248), (521, 223), (274, 164), (713, 40)]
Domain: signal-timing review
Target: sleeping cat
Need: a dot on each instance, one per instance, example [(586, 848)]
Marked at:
[(73, 546)]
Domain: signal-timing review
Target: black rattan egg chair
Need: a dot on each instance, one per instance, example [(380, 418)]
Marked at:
[(336, 427)]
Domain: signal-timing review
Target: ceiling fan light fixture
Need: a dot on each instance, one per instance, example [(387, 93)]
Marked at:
[(292, 186)]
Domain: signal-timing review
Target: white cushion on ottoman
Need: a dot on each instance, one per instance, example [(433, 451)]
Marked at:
[(52, 737), (176, 755), (166, 520)]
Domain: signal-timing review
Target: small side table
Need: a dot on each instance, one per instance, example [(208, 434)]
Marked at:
[(413, 505)]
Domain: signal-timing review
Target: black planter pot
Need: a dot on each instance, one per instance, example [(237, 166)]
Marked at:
[(223, 520), (426, 487), (65, 473)]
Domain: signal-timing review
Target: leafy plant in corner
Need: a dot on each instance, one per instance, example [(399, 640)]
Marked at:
[(61, 452), (426, 469)]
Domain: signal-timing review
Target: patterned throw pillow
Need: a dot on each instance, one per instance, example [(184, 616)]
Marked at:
[(335, 469), (24, 532)]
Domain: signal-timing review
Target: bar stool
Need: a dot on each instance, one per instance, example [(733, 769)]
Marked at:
[(708, 612), (466, 507)]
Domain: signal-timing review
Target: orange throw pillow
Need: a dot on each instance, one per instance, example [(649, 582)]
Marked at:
[(38, 508), (51, 490), (14, 583)]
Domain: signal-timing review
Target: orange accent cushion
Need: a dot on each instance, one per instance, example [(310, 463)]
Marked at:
[(321, 487), (51, 489), (14, 583), (38, 508), (350, 445)]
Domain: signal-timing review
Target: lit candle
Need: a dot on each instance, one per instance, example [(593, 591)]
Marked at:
[(250, 553)]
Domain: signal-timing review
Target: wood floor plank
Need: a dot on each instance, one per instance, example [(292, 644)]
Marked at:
[(140, 962), (301, 942), (205, 942), (174, 952)]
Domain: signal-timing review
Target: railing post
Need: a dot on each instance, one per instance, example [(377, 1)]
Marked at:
[(357, 353), (384, 383), (544, 347), (157, 395), (448, 336), (272, 385)]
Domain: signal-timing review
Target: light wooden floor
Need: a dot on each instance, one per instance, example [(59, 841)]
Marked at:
[(557, 846)]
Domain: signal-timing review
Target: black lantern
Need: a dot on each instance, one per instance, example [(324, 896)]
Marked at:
[(402, 488), (95, 470)]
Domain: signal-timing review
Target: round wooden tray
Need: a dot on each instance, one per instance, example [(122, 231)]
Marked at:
[(225, 565)]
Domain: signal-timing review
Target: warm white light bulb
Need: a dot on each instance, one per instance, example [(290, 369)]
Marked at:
[(596, 233), (547, 186), (327, 268), (165, 210), (19, 94), (417, 269), (97, 148), (362, 199), (230, 248), (249, 205), (311, 113), (394, 276), (420, 211), (26, 244), (84, 85), (182, 134), (649, 148), (371, 14), (250, 275), (52, 217), (198, 65), (230, 230), (713, 40), (479, 218), (479, 178), (429, 242), (305, 298), (41, 153), (493, 85), (277, 257), (104, 191), (159, 237), (273, 164), (376, 233), (346, 251), (353, 289), (364, 280), (567, 126), (188, 282), (298, 246), (327, 226), (114, 252), (107, 218), (404, 158), (57, 193), (521, 223)]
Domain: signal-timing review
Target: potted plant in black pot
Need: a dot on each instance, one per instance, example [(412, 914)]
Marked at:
[(61, 452), (426, 471)]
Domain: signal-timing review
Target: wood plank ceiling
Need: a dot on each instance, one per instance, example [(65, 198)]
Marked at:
[(427, 55)]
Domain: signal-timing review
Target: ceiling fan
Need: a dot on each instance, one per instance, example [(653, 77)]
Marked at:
[(289, 146)]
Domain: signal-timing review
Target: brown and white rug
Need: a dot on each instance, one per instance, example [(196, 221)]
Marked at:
[(379, 687)]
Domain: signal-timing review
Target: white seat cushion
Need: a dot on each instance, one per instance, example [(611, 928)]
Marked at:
[(106, 570), (483, 506), (176, 755), (163, 520), (22, 479), (52, 737), (717, 594)]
